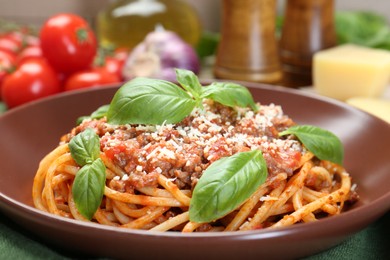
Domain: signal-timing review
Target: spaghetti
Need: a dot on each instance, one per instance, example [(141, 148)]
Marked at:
[(151, 172)]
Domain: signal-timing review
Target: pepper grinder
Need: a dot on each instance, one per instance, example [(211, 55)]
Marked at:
[(248, 48), (307, 28)]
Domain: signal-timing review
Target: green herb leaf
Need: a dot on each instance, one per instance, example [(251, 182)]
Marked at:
[(226, 184), (207, 44), (149, 101), (363, 28), (97, 114), (322, 143), (88, 188), (229, 94), (190, 82), (154, 101), (85, 147)]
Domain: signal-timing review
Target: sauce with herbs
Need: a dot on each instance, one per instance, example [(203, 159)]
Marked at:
[(183, 151)]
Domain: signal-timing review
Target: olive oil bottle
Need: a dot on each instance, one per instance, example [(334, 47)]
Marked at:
[(125, 23)]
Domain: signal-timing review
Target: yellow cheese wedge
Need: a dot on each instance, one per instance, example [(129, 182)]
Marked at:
[(377, 107), (349, 70)]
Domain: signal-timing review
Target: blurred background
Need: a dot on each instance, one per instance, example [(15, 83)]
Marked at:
[(37, 11)]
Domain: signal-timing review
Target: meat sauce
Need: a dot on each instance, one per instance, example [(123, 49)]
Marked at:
[(182, 151)]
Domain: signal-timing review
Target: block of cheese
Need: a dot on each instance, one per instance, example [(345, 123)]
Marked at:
[(376, 106), (349, 70)]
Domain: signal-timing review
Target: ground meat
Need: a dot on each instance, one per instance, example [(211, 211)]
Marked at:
[(183, 151)]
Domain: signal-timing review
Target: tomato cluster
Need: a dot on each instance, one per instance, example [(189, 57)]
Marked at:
[(63, 57)]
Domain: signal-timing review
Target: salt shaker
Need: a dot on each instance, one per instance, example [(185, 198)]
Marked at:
[(248, 48), (307, 28)]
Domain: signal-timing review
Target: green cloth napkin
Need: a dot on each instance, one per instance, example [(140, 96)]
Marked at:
[(370, 243)]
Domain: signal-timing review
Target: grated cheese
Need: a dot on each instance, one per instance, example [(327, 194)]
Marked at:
[(205, 133)]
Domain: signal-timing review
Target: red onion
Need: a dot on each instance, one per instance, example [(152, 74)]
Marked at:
[(158, 55)]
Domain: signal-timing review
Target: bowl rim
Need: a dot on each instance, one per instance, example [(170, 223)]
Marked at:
[(374, 208)]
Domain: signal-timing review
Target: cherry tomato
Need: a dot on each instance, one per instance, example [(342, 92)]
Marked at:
[(121, 54), (68, 43), (90, 78), (111, 60), (28, 52), (32, 80), (23, 38), (7, 63), (114, 66), (9, 45)]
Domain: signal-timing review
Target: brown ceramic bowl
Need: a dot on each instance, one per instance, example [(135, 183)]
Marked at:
[(31, 131)]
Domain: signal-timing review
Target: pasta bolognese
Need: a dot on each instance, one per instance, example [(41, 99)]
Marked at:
[(151, 173)]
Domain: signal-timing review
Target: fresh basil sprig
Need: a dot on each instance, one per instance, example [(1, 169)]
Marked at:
[(154, 101), (89, 182), (226, 184), (322, 143), (149, 101)]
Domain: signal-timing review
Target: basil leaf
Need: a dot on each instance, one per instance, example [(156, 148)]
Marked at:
[(88, 188), (229, 94), (226, 184), (97, 114), (189, 81), (149, 101), (85, 147), (322, 143)]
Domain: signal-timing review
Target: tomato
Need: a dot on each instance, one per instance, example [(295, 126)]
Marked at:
[(23, 38), (114, 66), (32, 80), (121, 54), (90, 78), (7, 63), (28, 52), (68, 43), (111, 60), (9, 45), (112, 151)]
